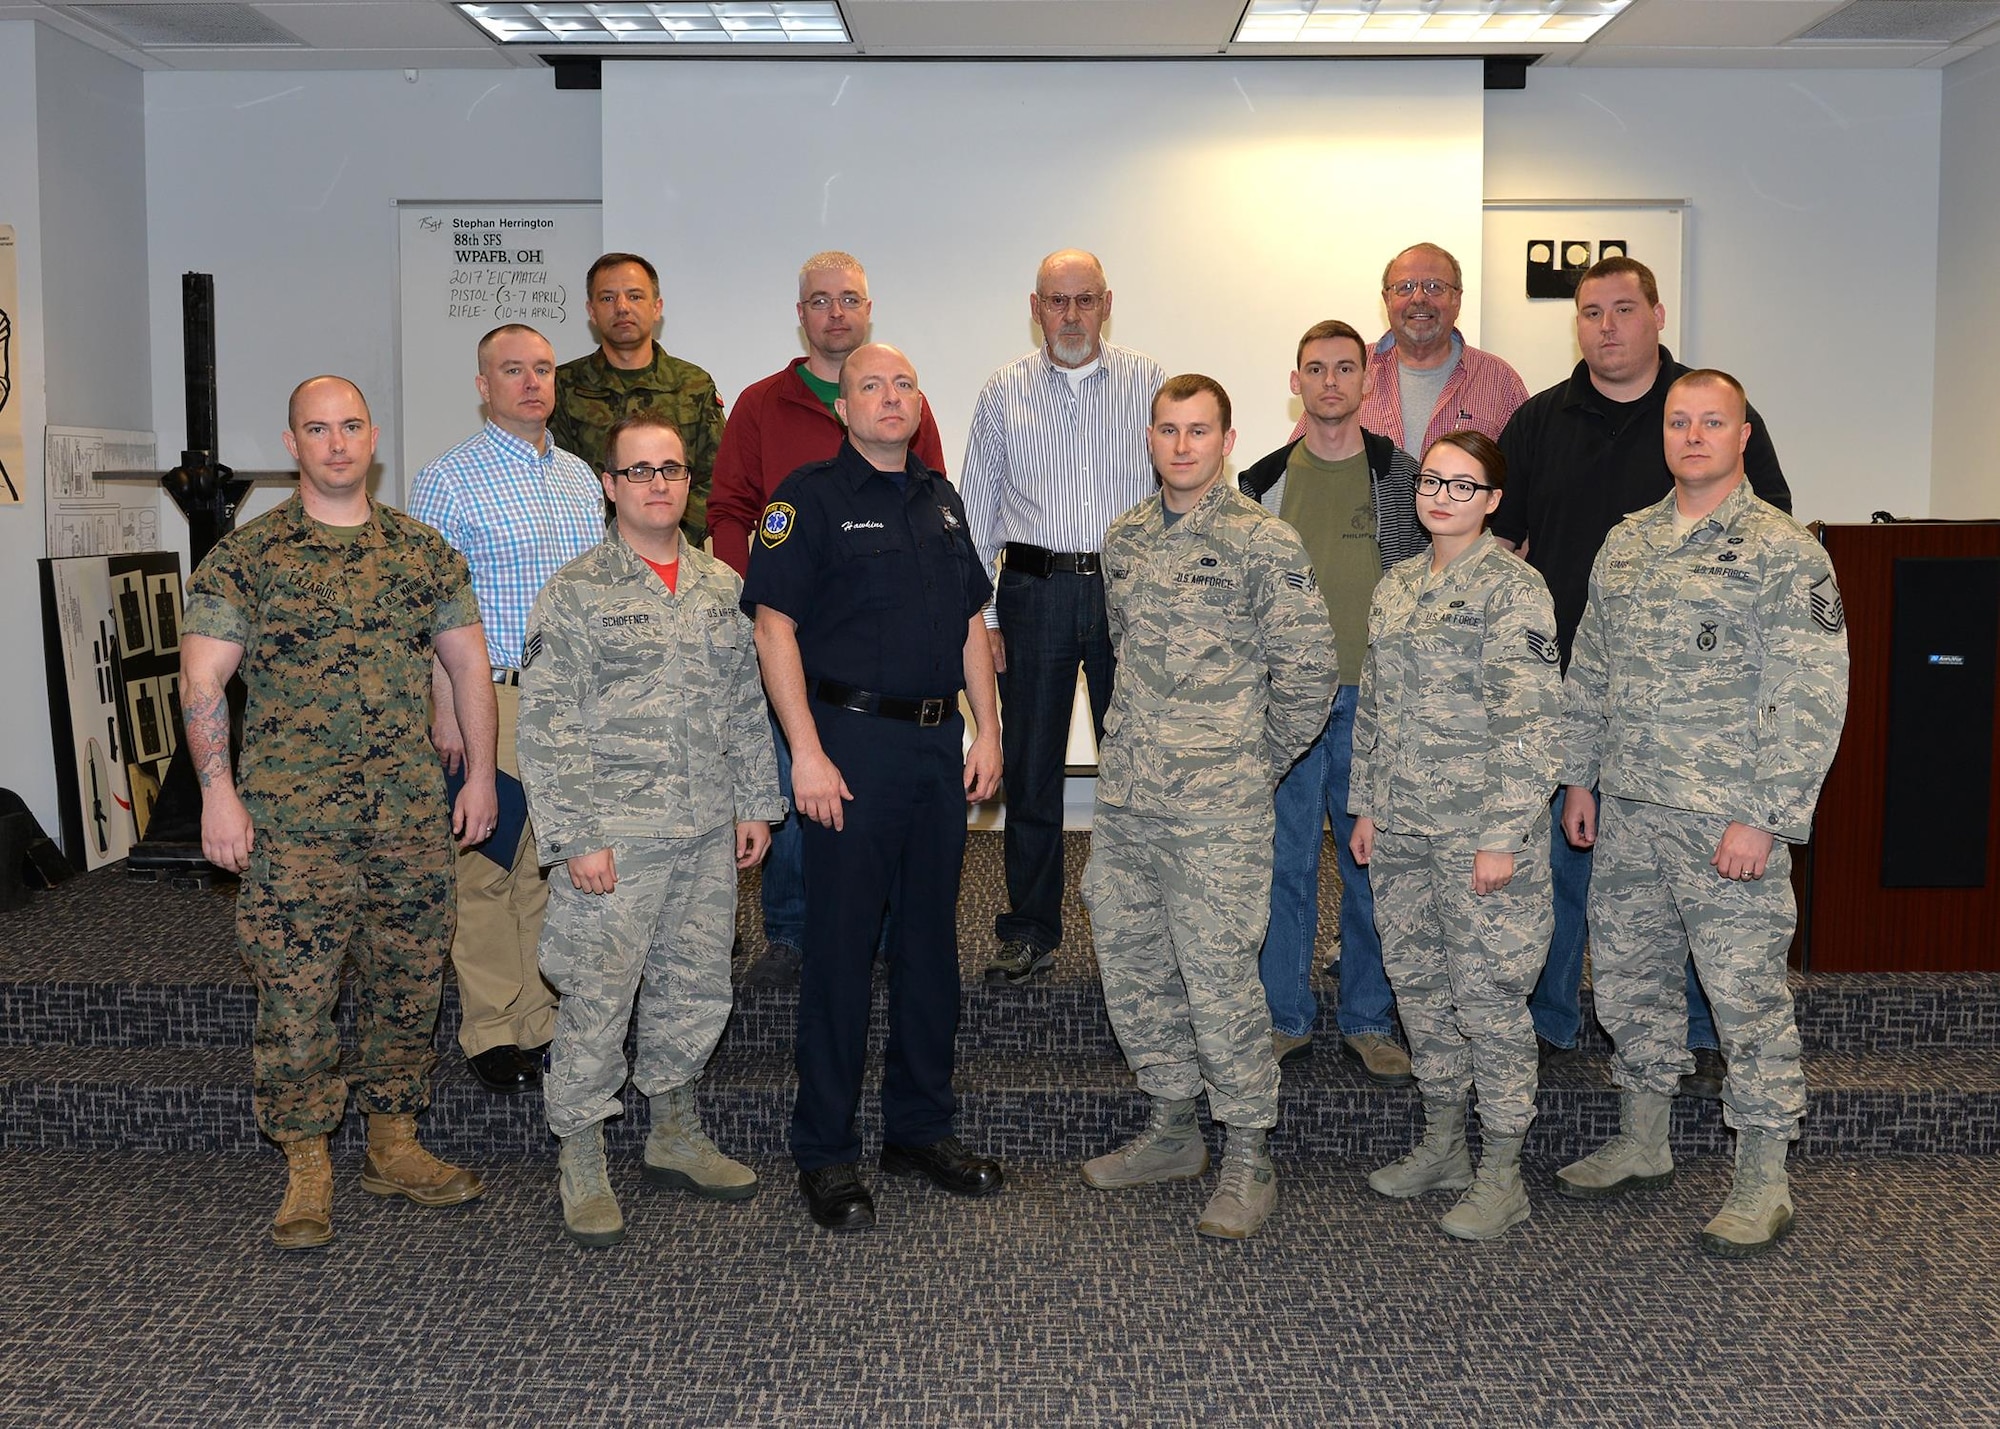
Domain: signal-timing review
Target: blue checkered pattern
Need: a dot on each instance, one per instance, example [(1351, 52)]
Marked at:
[(517, 516)]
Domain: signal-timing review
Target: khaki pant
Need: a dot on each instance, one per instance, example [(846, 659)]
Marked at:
[(500, 985)]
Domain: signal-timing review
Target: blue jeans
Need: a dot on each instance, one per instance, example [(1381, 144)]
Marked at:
[(1553, 1005), (1315, 790), (784, 865), (1052, 624)]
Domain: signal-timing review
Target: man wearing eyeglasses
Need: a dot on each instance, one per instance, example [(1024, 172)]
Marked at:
[(648, 764), (1425, 379), (1057, 451), (1580, 457), (630, 372), (517, 507), (1347, 492), (780, 424)]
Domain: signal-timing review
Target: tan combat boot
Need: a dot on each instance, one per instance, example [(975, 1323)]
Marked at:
[(1169, 1149), (1439, 1162), (1758, 1213), (306, 1217), (397, 1166), (1633, 1160), (1497, 1200), (679, 1153), (1247, 1191), (590, 1210)]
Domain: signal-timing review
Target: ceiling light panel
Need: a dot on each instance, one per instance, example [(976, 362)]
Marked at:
[(673, 22), (1422, 22)]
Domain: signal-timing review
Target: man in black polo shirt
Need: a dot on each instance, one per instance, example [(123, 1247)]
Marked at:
[(1581, 456), (868, 596)]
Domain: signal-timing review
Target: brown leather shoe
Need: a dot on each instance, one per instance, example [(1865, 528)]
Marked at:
[(1380, 1058), (398, 1166), (306, 1217)]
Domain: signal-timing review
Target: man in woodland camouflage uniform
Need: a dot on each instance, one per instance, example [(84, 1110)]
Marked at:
[(630, 372), (1226, 674), (648, 764), (331, 607), (1705, 697)]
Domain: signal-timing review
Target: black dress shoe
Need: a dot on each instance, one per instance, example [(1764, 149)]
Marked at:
[(536, 1060), (503, 1070), (837, 1199), (947, 1165), (1707, 1078)]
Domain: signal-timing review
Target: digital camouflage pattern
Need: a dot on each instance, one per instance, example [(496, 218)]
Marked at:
[(592, 396), (642, 730), (642, 710), (1226, 661), (1178, 908), (1226, 673), (1709, 685), (1463, 966), (1454, 752), (1710, 671), (1460, 708), (1655, 899), (308, 901), (664, 930), (353, 853), (336, 636)]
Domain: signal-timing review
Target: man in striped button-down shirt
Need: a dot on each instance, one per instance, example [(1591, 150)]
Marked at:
[(1057, 451), (518, 508)]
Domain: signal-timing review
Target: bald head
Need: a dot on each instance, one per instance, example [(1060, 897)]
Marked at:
[(312, 386), (873, 359), (1070, 304), (1067, 261)]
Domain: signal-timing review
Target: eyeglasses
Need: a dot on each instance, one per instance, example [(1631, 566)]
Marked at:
[(1062, 302), (642, 475), (1430, 287), (1456, 487), (821, 303)]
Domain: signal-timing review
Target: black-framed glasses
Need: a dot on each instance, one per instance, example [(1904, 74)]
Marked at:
[(824, 303), (1455, 487), (642, 475), (1063, 302), (1429, 287)]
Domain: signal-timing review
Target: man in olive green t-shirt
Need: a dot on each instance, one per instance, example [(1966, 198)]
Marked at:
[(1350, 495)]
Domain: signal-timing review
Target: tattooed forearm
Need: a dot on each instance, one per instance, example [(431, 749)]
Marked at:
[(206, 709)]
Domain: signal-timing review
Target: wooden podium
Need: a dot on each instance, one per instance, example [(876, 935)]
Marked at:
[(1910, 749)]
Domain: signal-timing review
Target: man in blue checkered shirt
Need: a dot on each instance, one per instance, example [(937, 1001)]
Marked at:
[(518, 508)]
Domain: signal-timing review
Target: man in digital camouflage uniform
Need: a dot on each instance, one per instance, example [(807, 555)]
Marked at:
[(648, 764), (331, 608), (1226, 673), (630, 372), (1705, 696)]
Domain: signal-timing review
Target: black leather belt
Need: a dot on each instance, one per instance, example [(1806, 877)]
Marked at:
[(847, 697), (1035, 561)]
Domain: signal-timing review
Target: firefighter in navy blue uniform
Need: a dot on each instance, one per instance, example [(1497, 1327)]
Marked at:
[(867, 596)]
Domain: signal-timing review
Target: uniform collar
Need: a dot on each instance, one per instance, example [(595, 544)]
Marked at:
[(856, 468), (602, 364), (1658, 521), (631, 565), (1203, 514), (1460, 570), (302, 528)]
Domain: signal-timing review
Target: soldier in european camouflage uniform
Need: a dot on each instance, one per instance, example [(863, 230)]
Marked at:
[(631, 373), (1706, 697), (650, 775), (1454, 758), (331, 607), (1226, 674)]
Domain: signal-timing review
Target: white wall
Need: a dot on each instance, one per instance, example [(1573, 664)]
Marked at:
[(24, 700), (1812, 244), (1965, 480), (72, 184), (283, 187), (1233, 203)]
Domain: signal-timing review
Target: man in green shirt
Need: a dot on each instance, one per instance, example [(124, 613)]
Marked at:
[(630, 372), (1350, 495)]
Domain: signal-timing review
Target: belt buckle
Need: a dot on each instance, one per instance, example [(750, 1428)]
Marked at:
[(1086, 563), (930, 712)]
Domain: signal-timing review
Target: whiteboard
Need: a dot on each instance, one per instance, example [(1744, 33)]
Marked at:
[(463, 269), (1538, 334)]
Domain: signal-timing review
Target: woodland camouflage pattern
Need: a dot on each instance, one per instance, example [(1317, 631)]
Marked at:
[(592, 396)]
